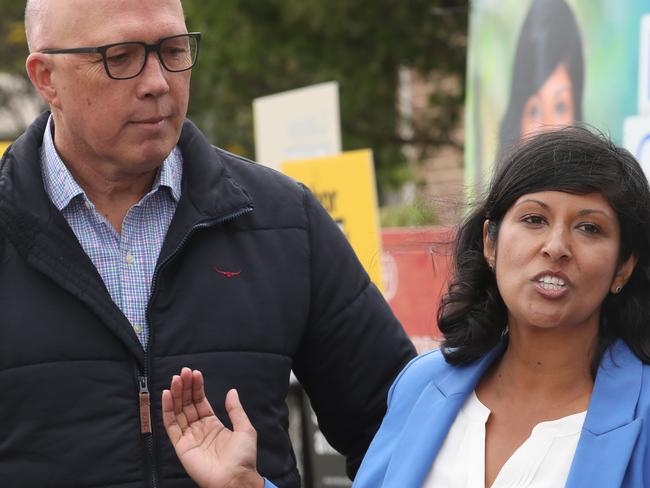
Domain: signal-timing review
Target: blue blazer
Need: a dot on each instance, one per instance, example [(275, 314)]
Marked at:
[(614, 446)]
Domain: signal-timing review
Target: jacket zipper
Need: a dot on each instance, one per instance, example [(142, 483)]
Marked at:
[(145, 406), (144, 397)]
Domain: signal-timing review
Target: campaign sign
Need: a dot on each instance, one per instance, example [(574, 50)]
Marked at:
[(636, 139), (345, 186)]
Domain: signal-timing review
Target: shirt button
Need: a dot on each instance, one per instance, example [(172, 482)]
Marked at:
[(130, 259), (137, 328), (88, 204)]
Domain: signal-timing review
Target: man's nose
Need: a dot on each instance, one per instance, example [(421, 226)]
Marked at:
[(153, 79)]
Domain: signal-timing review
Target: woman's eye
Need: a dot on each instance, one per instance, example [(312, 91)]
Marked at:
[(589, 228), (534, 112), (533, 219)]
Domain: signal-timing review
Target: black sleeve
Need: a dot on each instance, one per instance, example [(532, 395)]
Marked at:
[(353, 348)]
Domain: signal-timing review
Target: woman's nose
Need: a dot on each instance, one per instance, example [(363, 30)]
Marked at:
[(557, 244)]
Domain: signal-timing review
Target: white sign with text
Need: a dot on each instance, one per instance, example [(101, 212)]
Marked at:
[(297, 124)]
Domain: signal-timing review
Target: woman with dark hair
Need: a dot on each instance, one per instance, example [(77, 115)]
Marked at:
[(543, 378), (547, 74)]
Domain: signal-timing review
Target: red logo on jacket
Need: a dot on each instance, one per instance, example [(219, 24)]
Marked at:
[(227, 274)]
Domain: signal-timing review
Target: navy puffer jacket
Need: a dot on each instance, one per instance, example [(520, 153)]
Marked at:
[(72, 368)]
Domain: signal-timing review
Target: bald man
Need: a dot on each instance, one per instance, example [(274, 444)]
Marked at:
[(131, 248)]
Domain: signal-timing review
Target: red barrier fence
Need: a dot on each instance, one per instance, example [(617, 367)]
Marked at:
[(416, 265)]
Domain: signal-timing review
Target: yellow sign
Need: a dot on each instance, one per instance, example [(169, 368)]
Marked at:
[(3, 147), (345, 186)]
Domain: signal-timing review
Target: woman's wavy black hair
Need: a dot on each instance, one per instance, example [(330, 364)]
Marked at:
[(473, 317)]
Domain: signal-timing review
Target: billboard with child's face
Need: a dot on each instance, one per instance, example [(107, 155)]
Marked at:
[(535, 65)]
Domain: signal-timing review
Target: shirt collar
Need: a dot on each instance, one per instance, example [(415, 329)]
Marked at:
[(171, 173), (62, 188), (59, 183)]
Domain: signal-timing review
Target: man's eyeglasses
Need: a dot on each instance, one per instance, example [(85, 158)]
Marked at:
[(126, 60)]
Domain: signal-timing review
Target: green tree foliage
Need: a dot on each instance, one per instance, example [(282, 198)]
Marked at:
[(252, 48), (418, 213), (13, 43)]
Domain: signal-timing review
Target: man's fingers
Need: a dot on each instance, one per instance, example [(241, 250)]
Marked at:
[(174, 430), (238, 417)]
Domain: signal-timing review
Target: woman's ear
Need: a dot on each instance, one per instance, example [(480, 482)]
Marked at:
[(623, 274), (489, 246)]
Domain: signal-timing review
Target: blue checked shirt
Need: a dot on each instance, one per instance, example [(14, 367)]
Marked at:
[(126, 261)]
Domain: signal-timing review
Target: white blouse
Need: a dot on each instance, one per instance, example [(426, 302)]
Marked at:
[(542, 461)]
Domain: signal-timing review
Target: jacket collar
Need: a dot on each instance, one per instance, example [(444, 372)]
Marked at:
[(607, 439), (209, 192), (42, 236), (610, 431), (462, 380), (20, 173), (431, 418), (207, 185)]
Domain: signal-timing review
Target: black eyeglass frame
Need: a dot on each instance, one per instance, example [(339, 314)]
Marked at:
[(148, 48)]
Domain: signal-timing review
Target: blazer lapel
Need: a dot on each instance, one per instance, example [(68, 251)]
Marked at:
[(431, 418), (610, 431)]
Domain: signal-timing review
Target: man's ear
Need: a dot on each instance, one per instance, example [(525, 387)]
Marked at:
[(623, 274), (489, 246), (40, 71)]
